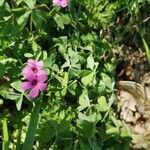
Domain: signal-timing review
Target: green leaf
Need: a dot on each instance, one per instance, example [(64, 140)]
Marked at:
[(90, 118), (112, 130), (47, 132), (39, 18), (84, 73), (103, 106), (65, 80), (82, 116), (90, 62), (28, 55), (36, 48), (83, 127), (87, 79), (59, 20), (106, 80), (48, 62), (72, 9), (125, 133), (1, 102), (18, 2), (75, 57), (116, 122), (22, 20), (63, 126), (147, 49), (64, 84), (2, 70), (17, 97), (84, 101), (13, 96), (19, 103), (55, 67), (30, 3), (94, 144), (1, 2), (72, 88), (44, 55), (5, 141), (17, 86), (64, 19), (28, 144)]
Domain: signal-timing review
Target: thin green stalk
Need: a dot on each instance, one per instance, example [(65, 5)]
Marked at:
[(28, 144), (147, 49), (5, 135), (18, 145), (31, 21)]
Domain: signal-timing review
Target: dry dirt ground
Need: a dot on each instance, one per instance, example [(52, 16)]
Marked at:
[(133, 92)]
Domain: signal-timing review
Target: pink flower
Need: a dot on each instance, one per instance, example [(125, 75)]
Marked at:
[(35, 78), (61, 3), (35, 84), (33, 66)]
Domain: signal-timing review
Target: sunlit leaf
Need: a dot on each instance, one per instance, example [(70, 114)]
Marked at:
[(88, 79), (19, 103), (30, 3), (90, 62), (22, 20), (84, 101), (17, 86), (103, 106)]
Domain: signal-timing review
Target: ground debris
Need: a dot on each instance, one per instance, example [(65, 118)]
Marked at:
[(133, 93)]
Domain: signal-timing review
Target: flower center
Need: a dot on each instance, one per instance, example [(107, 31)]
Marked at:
[(34, 70), (34, 82)]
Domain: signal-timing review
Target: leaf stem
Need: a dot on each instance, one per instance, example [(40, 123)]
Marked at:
[(32, 126), (147, 49), (5, 135)]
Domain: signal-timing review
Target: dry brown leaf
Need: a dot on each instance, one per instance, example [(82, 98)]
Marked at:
[(134, 88)]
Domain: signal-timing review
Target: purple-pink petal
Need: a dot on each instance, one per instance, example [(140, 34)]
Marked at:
[(42, 86), (34, 63), (35, 78), (62, 3), (56, 2), (34, 92), (31, 63), (30, 76), (42, 78), (26, 85), (39, 64), (35, 67), (40, 72), (26, 70)]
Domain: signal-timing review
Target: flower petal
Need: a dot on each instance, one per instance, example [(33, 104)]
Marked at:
[(30, 75), (40, 72), (42, 78), (34, 92), (31, 62), (26, 86), (39, 64), (25, 70), (56, 2), (64, 3), (42, 86)]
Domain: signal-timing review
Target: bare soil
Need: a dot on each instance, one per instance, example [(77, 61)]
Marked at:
[(133, 93)]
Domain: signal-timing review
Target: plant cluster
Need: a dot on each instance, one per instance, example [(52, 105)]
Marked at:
[(67, 99)]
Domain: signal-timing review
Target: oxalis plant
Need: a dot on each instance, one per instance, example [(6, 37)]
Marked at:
[(35, 82), (57, 72)]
